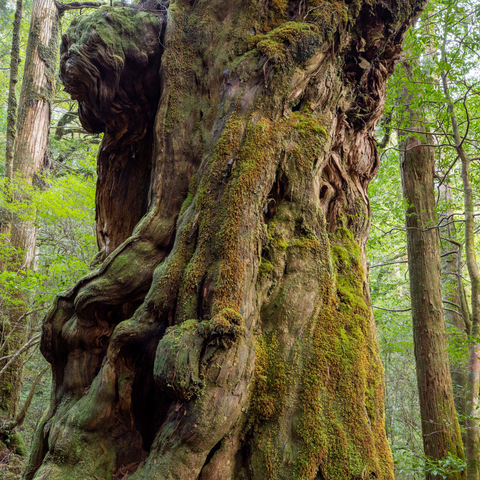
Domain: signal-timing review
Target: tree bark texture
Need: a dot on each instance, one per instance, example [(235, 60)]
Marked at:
[(228, 333), (440, 429), (118, 97), (12, 96), (33, 123)]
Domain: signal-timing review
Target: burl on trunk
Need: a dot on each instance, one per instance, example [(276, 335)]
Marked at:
[(227, 333)]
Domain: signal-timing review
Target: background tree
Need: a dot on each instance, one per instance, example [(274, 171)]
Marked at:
[(456, 22), (29, 155), (440, 430), (12, 97), (62, 213)]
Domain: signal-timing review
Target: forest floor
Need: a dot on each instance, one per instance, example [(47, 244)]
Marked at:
[(11, 465)]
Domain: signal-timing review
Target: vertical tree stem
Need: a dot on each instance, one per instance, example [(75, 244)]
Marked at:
[(12, 97)]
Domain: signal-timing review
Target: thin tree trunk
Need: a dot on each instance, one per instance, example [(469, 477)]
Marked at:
[(6, 217), (12, 96), (38, 87), (440, 429), (473, 429), (473, 384), (455, 314), (228, 334)]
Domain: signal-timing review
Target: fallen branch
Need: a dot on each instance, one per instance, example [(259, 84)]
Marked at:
[(63, 7), (19, 419), (33, 341)]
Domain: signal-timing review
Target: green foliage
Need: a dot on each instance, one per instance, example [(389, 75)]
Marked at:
[(63, 213), (444, 42), (60, 205), (416, 465)]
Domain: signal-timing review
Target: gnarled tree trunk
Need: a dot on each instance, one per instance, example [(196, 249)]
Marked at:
[(228, 334)]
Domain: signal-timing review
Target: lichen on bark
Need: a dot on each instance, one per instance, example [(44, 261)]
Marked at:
[(230, 336)]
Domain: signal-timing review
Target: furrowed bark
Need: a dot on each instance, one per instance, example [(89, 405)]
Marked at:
[(440, 429), (228, 333), (6, 217)]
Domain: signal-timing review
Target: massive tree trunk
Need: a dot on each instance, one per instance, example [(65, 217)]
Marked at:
[(440, 429), (228, 334), (38, 88)]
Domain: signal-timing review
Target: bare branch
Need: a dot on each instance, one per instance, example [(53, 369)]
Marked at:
[(393, 310), (33, 341)]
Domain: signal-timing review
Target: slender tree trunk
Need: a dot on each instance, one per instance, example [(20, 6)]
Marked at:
[(440, 430), (5, 217), (12, 96), (29, 155), (38, 88), (473, 384), (473, 430), (454, 310), (228, 334)]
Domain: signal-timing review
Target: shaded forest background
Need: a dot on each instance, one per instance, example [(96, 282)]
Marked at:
[(445, 42)]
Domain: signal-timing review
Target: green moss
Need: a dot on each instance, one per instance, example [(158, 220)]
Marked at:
[(40, 91), (16, 444), (270, 382), (227, 322), (117, 28), (307, 126), (330, 16), (334, 434), (280, 6), (177, 361), (307, 243), (275, 236), (221, 220), (176, 332), (187, 202), (265, 268), (281, 243), (285, 40)]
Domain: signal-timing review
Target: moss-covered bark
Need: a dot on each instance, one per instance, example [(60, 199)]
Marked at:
[(12, 96), (230, 335), (110, 64)]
